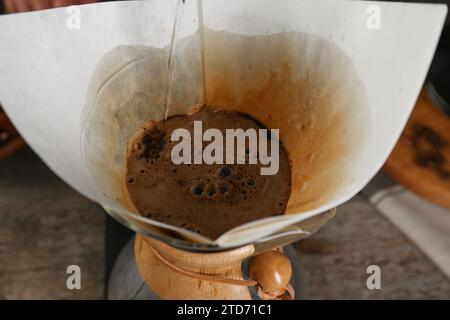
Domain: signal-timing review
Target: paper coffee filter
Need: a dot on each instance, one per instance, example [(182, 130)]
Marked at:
[(293, 81), (281, 79), (127, 90), (339, 91)]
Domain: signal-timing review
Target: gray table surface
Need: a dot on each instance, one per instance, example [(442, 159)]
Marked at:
[(45, 226)]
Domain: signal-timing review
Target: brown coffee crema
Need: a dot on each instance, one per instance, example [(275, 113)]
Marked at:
[(208, 199)]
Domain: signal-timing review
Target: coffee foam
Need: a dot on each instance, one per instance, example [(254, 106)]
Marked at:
[(216, 197), (300, 83)]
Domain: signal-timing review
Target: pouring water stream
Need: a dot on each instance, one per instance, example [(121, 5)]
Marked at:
[(172, 59)]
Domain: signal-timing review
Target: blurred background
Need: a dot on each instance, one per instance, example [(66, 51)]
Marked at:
[(400, 221)]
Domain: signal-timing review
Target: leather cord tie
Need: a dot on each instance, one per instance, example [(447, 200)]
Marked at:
[(286, 293)]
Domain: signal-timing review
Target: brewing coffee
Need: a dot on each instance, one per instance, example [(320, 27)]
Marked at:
[(207, 198)]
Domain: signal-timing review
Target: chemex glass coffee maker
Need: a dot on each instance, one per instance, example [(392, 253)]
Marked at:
[(325, 74)]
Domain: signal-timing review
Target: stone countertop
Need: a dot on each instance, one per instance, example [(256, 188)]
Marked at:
[(45, 226), (334, 260)]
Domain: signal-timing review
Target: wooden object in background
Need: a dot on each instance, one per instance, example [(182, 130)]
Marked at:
[(10, 141), (421, 159)]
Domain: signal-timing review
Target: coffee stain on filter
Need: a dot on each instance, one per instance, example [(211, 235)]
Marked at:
[(305, 86), (127, 90), (300, 83)]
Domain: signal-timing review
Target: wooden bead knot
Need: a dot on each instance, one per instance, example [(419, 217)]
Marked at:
[(272, 270)]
